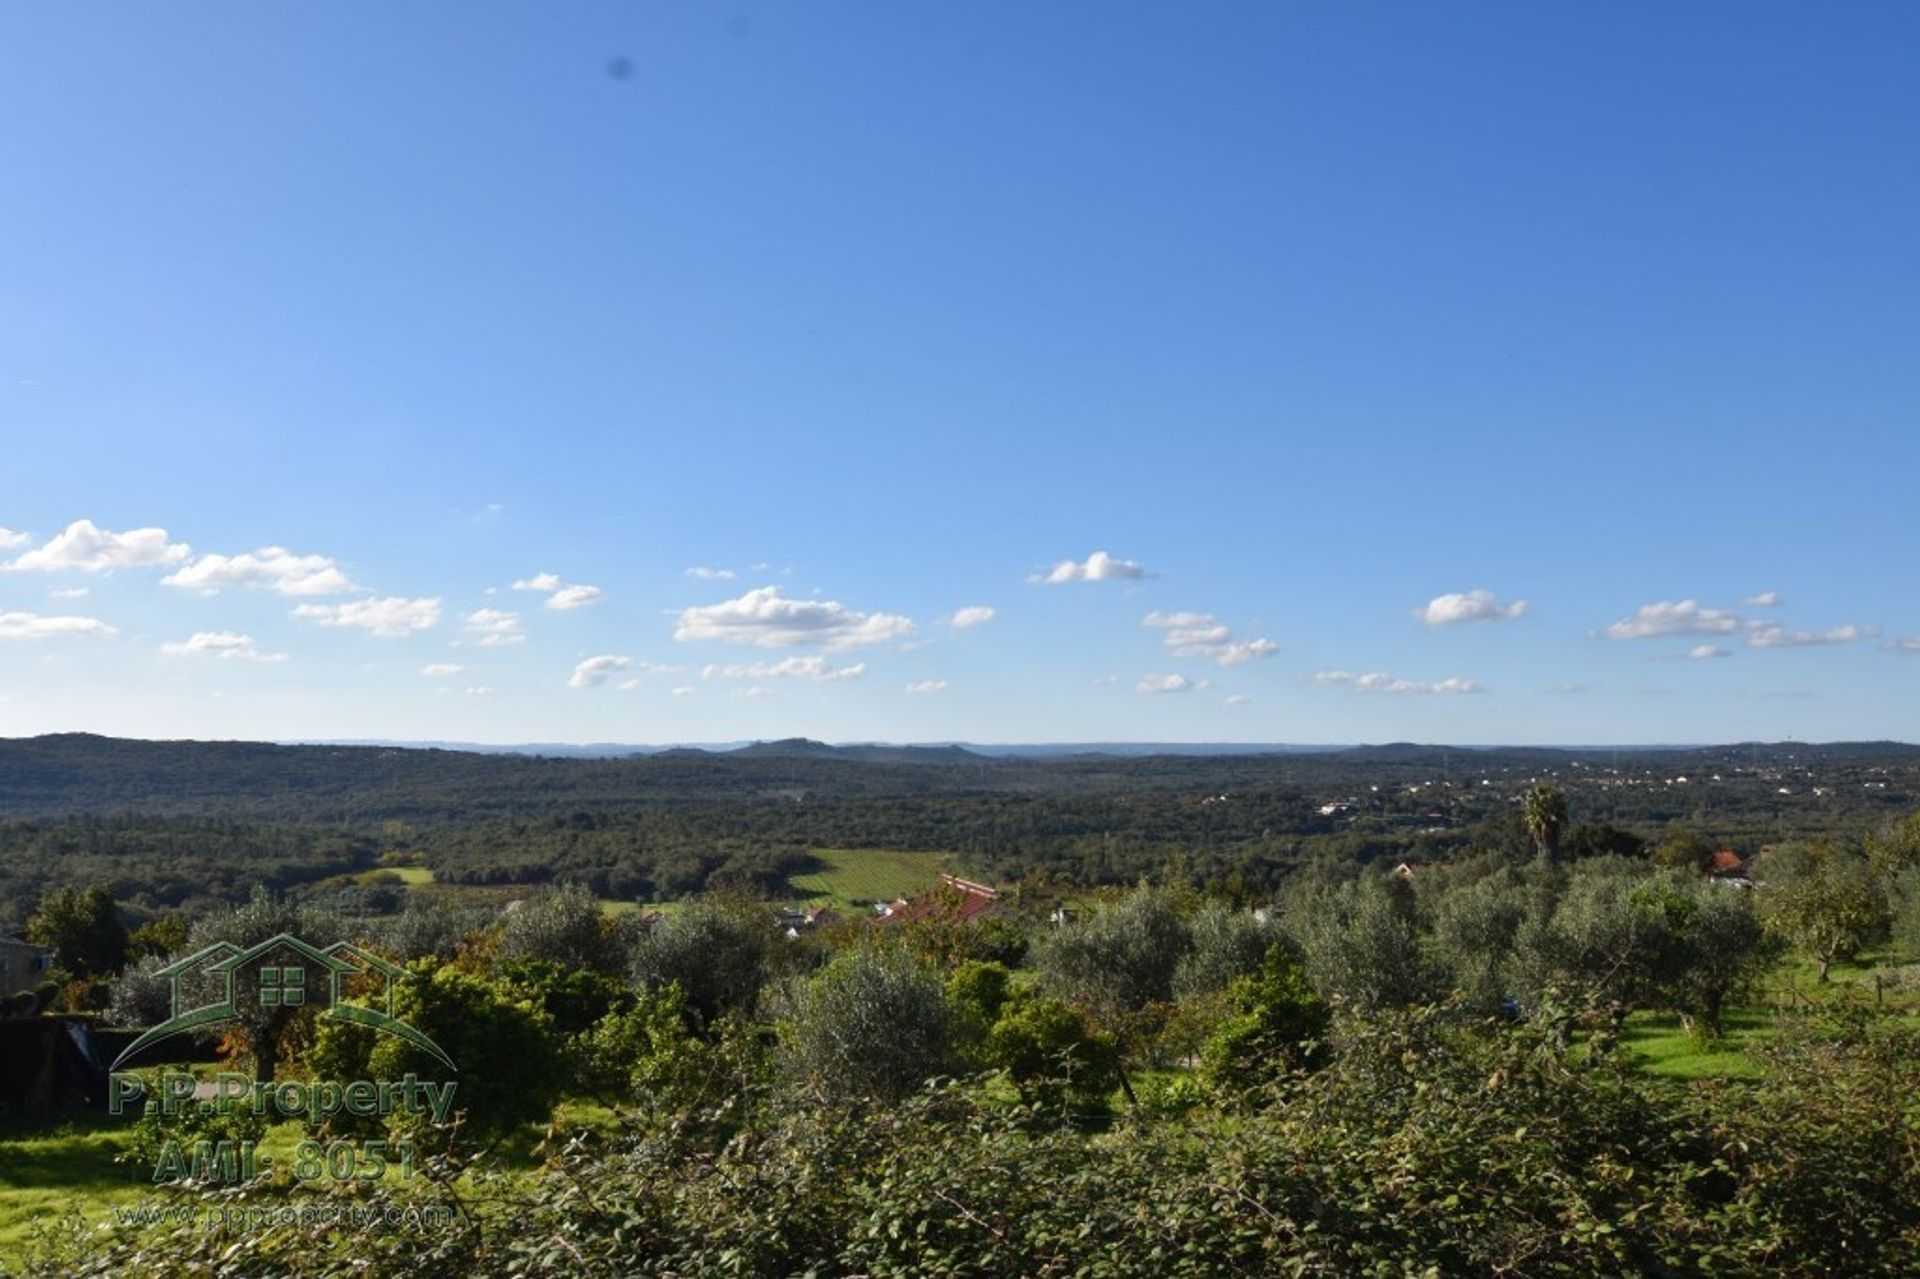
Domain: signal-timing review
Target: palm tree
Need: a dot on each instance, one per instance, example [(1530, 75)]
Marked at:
[(1544, 812)]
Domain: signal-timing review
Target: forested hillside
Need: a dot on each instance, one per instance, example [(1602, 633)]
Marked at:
[(164, 823)]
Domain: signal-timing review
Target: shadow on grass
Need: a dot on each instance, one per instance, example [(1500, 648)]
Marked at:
[(72, 1149), (1665, 1047)]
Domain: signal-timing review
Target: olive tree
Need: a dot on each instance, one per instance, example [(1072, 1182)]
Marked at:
[(1475, 927), (1363, 945), (717, 955), (426, 930), (1608, 940), (565, 926), (872, 1024), (1822, 898), (1226, 944), (1722, 948), (261, 1025), (1120, 958)]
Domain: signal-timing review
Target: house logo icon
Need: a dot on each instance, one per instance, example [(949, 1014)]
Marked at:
[(283, 972)]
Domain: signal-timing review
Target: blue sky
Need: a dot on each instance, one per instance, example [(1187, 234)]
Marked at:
[(1306, 316)]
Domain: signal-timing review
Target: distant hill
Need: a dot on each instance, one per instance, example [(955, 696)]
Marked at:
[(167, 822), (876, 752), (72, 773)]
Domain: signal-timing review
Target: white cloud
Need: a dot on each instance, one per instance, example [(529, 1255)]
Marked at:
[(1469, 606), (1097, 567), (1203, 635), (928, 686), (685, 690), (754, 693), (595, 670), (1380, 682), (814, 668), (87, 548), (765, 618), (67, 592), (1770, 635), (1680, 617), (479, 690), (227, 645), (1251, 651), (496, 628), (575, 597), (10, 539), (561, 596), (1706, 652), (271, 568), (705, 573), (35, 626), (1765, 599), (643, 670), (440, 670), (1904, 644), (1169, 684), (1236, 699), (972, 615), (393, 617)]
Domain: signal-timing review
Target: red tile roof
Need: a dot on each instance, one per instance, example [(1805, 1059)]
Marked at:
[(956, 898)]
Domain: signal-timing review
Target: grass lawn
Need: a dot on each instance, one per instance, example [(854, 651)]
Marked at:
[(851, 877), (52, 1166), (1795, 982), (1663, 1046)]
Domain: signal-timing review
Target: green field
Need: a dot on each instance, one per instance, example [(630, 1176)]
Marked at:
[(54, 1166), (852, 877), (1664, 1047), (847, 878)]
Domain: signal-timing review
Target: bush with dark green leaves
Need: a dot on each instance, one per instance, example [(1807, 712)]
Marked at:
[(1276, 1023), (1436, 1143), (83, 930), (1055, 1058), (509, 1064)]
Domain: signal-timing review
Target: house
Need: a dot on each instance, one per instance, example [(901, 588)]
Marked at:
[(1728, 867), (1408, 869), (23, 965), (795, 922), (956, 900)]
